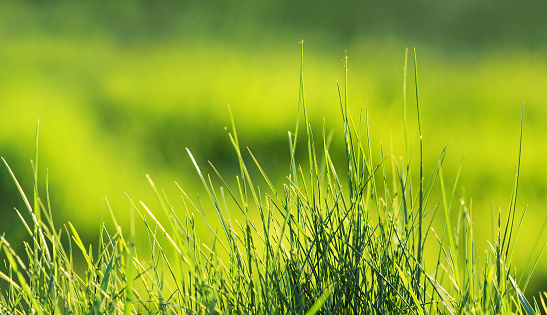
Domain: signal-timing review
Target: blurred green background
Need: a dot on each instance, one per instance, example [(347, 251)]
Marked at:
[(122, 87)]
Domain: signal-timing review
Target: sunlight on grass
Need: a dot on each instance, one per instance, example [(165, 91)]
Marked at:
[(358, 234)]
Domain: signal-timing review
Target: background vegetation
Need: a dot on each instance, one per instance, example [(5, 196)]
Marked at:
[(121, 88)]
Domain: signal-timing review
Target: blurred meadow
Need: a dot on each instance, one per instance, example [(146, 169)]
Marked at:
[(121, 88)]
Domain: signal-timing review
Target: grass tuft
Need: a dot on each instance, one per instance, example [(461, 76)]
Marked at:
[(322, 244)]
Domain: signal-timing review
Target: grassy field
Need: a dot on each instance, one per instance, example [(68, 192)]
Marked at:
[(116, 103), (347, 236)]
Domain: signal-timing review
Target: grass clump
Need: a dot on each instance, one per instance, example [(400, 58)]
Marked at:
[(333, 239)]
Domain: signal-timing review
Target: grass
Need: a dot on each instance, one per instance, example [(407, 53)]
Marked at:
[(360, 236)]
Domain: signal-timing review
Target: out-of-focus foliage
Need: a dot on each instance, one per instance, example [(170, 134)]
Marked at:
[(122, 87)]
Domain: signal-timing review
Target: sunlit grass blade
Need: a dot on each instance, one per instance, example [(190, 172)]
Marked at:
[(316, 307), (525, 304)]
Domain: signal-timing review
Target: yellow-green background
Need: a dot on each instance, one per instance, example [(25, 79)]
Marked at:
[(122, 87)]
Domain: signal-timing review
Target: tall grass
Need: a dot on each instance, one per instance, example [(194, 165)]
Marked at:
[(333, 239)]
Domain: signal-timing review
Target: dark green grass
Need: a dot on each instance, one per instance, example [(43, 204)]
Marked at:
[(355, 238)]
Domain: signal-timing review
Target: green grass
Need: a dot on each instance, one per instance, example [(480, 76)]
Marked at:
[(360, 235)]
